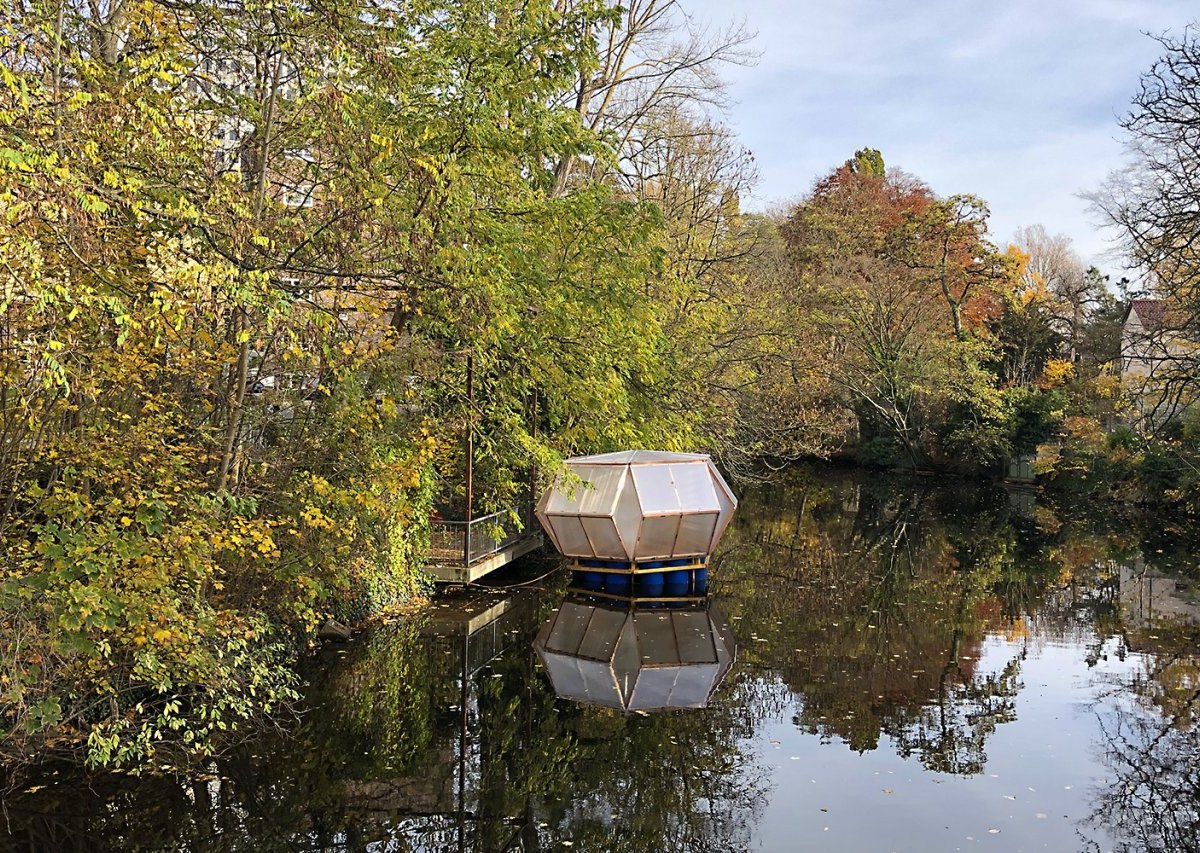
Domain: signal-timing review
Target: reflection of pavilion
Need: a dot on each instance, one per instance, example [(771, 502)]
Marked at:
[(624, 656)]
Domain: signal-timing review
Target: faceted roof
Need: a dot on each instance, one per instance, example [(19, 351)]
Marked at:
[(636, 457), (637, 505)]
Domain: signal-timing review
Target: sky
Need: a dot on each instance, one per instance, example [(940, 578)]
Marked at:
[(1016, 101)]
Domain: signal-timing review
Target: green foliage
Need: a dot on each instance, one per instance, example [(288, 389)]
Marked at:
[(867, 161), (880, 451), (1026, 340), (898, 285), (1159, 471), (209, 426), (1036, 417), (1122, 438)]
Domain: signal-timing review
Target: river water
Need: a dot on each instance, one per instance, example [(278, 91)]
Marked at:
[(907, 667)]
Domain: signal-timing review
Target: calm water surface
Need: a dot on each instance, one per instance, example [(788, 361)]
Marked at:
[(917, 668)]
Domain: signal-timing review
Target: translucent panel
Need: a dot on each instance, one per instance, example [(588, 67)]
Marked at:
[(725, 644), (653, 689), (602, 533), (603, 631), (724, 662), (545, 522), (694, 637), (568, 627), (600, 684), (719, 483), (695, 535), (628, 686), (628, 517), (724, 656), (641, 457), (605, 482), (539, 642), (582, 680), (657, 537), (655, 488), (595, 495), (625, 662), (694, 485), (568, 532), (565, 676), (637, 491), (693, 685), (727, 501), (543, 501), (656, 638), (722, 638), (558, 498)]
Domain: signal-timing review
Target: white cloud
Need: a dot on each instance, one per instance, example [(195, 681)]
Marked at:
[(1015, 102)]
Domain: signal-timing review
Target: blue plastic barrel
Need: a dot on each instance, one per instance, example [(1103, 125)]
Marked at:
[(700, 581), (650, 584), (591, 580), (676, 583), (617, 584)]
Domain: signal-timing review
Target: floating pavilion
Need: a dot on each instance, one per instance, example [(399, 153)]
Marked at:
[(641, 521)]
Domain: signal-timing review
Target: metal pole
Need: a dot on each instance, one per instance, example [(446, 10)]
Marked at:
[(533, 496), (470, 456), (464, 696)]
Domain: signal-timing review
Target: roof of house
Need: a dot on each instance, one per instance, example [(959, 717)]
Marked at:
[(1150, 312)]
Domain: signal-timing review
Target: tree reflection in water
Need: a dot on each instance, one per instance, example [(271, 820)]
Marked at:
[(434, 739), (1152, 748), (875, 614), (873, 605)]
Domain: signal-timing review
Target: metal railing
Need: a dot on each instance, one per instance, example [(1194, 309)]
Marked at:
[(470, 541)]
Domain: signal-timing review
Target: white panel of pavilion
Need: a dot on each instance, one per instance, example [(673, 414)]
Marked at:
[(637, 505)]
